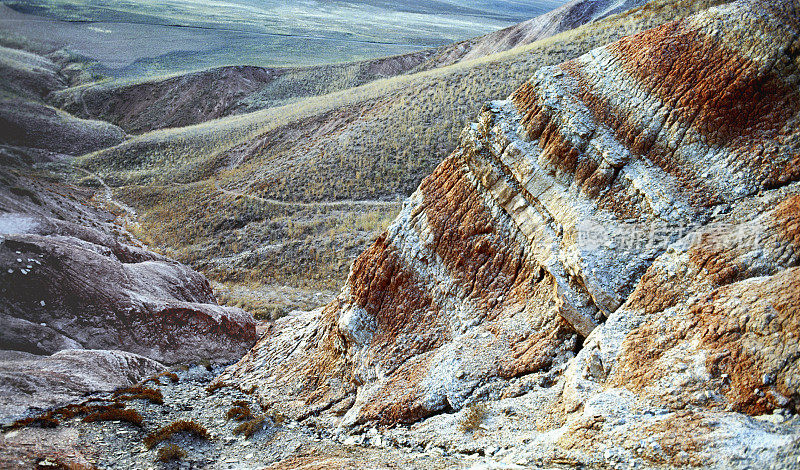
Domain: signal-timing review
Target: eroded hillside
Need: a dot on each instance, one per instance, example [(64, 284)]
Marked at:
[(182, 100)]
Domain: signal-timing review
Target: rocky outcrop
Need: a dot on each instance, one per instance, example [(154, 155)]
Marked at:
[(616, 240), (43, 382), (64, 292), (71, 278)]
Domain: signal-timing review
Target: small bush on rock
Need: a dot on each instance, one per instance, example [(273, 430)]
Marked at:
[(239, 413), (45, 421), (115, 414), (157, 378), (140, 392), (248, 428), (214, 386)]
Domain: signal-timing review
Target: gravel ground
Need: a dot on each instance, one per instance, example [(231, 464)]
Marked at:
[(119, 444)]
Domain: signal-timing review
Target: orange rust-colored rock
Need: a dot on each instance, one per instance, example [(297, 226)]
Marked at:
[(615, 245)]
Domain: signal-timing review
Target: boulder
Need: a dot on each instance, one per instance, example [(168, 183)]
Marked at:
[(28, 381), (61, 291)]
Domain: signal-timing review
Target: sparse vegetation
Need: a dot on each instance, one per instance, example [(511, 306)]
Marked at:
[(140, 392), (473, 417), (170, 452), (239, 413), (51, 418), (115, 414), (186, 426), (250, 427)]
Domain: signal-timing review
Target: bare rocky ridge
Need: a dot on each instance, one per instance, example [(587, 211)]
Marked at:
[(616, 240)]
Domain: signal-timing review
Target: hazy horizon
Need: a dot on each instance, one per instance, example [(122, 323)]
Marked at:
[(153, 38)]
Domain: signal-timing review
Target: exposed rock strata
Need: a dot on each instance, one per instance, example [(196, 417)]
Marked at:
[(624, 226), (84, 307)]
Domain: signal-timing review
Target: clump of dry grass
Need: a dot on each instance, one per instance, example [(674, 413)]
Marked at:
[(140, 392), (157, 378), (239, 413), (115, 414), (473, 417), (214, 386), (250, 427), (51, 418), (276, 416), (164, 433), (170, 452), (46, 420)]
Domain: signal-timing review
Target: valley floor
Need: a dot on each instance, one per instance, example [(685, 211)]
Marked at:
[(275, 444)]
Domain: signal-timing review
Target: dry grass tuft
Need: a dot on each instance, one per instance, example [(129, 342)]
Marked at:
[(140, 392), (115, 414), (157, 378), (178, 426), (473, 417), (214, 386), (170, 452), (240, 413), (45, 421), (248, 428), (276, 416)]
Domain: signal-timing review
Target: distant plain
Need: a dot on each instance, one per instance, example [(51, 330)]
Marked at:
[(147, 38)]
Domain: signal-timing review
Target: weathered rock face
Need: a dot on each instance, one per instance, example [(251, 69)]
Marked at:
[(79, 294), (624, 226), (71, 279), (31, 381)]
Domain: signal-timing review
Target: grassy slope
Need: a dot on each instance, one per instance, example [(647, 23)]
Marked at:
[(371, 142), (185, 99)]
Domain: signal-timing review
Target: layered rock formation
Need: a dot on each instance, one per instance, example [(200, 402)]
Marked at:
[(616, 240), (82, 282), (84, 307)]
